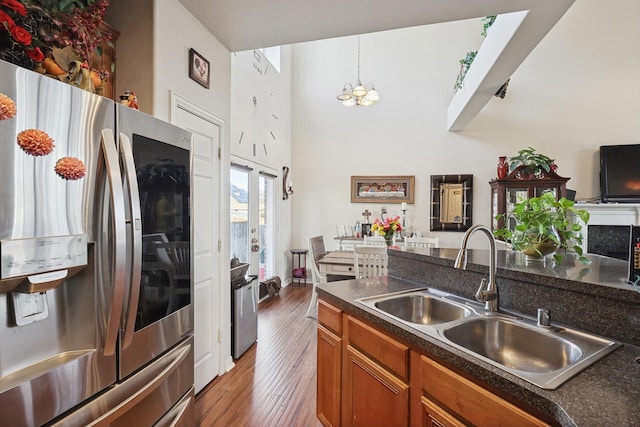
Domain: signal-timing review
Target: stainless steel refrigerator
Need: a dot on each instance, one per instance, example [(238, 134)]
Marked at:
[(96, 310)]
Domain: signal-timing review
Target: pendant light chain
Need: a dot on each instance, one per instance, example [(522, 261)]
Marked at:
[(358, 59)]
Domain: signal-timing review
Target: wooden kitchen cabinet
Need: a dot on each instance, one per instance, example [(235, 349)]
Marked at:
[(329, 374), (375, 379), (517, 187), (372, 396), (367, 377), (462, 402), (434, 416)]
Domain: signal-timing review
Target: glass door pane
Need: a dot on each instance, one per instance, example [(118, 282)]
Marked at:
[(541, 190), (164, 187), (240, 214), (267, 226)]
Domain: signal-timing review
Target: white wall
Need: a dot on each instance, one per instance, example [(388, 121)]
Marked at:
[(576, 91), (175, 32), (260, 133)]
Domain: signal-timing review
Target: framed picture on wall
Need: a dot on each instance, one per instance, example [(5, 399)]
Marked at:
[(382, 189), (199, 69)]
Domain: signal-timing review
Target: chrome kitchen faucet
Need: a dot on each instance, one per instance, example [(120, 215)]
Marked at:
[(487, 292)]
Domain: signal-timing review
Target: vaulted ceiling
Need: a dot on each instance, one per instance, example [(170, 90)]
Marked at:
[(250, 24)]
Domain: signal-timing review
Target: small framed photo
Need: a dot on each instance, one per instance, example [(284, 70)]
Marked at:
[(199, 68)]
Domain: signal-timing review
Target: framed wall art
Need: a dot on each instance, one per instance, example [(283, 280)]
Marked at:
[(451, 202), (382, 189), (199, 69)]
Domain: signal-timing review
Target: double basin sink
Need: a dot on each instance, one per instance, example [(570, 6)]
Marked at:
[(543, 356)]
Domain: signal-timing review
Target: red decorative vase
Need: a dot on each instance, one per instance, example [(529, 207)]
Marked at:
[(503, 167)]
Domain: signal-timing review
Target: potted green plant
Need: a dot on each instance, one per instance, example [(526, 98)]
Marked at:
[(546, 226), (531, 161)]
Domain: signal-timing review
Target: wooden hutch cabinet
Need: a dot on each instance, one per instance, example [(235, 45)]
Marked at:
[(519, 186)]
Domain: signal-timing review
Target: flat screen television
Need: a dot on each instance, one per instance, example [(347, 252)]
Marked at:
[(620, 173)]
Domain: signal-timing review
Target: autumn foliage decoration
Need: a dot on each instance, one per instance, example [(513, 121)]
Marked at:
[(30, 29)]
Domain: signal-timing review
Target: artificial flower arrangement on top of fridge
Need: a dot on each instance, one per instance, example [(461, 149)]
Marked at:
[(57, 38)]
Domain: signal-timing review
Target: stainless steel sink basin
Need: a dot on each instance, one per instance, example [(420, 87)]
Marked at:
[(422, 309), (543, 356), (514, 346), (546, 357)]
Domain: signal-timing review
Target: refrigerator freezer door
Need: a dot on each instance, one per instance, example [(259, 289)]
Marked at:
[(142, 399)]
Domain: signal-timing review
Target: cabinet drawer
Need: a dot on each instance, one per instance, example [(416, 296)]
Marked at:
[(386, 351), (337, 268), (330, 317), (470, 401)]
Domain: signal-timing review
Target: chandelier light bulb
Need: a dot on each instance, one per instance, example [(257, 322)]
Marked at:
[(372, 95), (359, 90), (349, 102)]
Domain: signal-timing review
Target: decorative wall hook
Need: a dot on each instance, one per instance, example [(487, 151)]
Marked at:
[(287, 186)]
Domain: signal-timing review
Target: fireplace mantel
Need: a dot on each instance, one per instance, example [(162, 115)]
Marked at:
[(609, 214), (612, 213)]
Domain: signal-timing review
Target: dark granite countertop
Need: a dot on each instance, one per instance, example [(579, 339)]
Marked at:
[(609, 274), (606, 393)]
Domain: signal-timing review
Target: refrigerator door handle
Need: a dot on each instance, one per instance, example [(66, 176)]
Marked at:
[(108, 145), (135, 223)]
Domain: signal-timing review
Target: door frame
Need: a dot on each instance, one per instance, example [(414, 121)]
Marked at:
[(224, 292), (256, 168)]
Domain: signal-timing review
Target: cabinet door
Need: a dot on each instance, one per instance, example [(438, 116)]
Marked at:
[(469, 401), (435, 416), (372, 396), (328, 377)]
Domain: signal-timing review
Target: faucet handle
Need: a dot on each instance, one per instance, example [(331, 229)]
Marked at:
[(484, 295), (480, 291), (544, 318)]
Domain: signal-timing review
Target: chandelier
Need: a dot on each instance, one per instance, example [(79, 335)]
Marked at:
[(358, 94)]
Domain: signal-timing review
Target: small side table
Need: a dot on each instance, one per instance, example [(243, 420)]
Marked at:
[(299, 266)]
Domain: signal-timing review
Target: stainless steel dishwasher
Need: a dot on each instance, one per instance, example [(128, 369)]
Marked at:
[(244, 320)]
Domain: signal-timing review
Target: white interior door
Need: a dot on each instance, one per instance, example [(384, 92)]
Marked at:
[(207, 134)]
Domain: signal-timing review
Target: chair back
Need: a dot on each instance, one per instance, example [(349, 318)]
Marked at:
[(375, 241), (370, 261), (421, 242), (176, 256), (317, 251), (175, 259)]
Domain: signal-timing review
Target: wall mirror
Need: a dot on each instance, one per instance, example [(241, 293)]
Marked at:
[(451, 202)]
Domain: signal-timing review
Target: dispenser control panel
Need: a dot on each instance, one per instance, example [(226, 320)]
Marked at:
[(25, 257)]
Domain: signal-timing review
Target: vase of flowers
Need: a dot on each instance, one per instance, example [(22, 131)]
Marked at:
[(386, 228)]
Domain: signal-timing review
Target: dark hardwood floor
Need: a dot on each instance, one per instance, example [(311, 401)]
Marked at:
[(274, 382)]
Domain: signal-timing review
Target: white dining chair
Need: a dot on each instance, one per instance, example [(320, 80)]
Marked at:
[(421, 242), (317, 251), (370, 261), (374, 241)]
